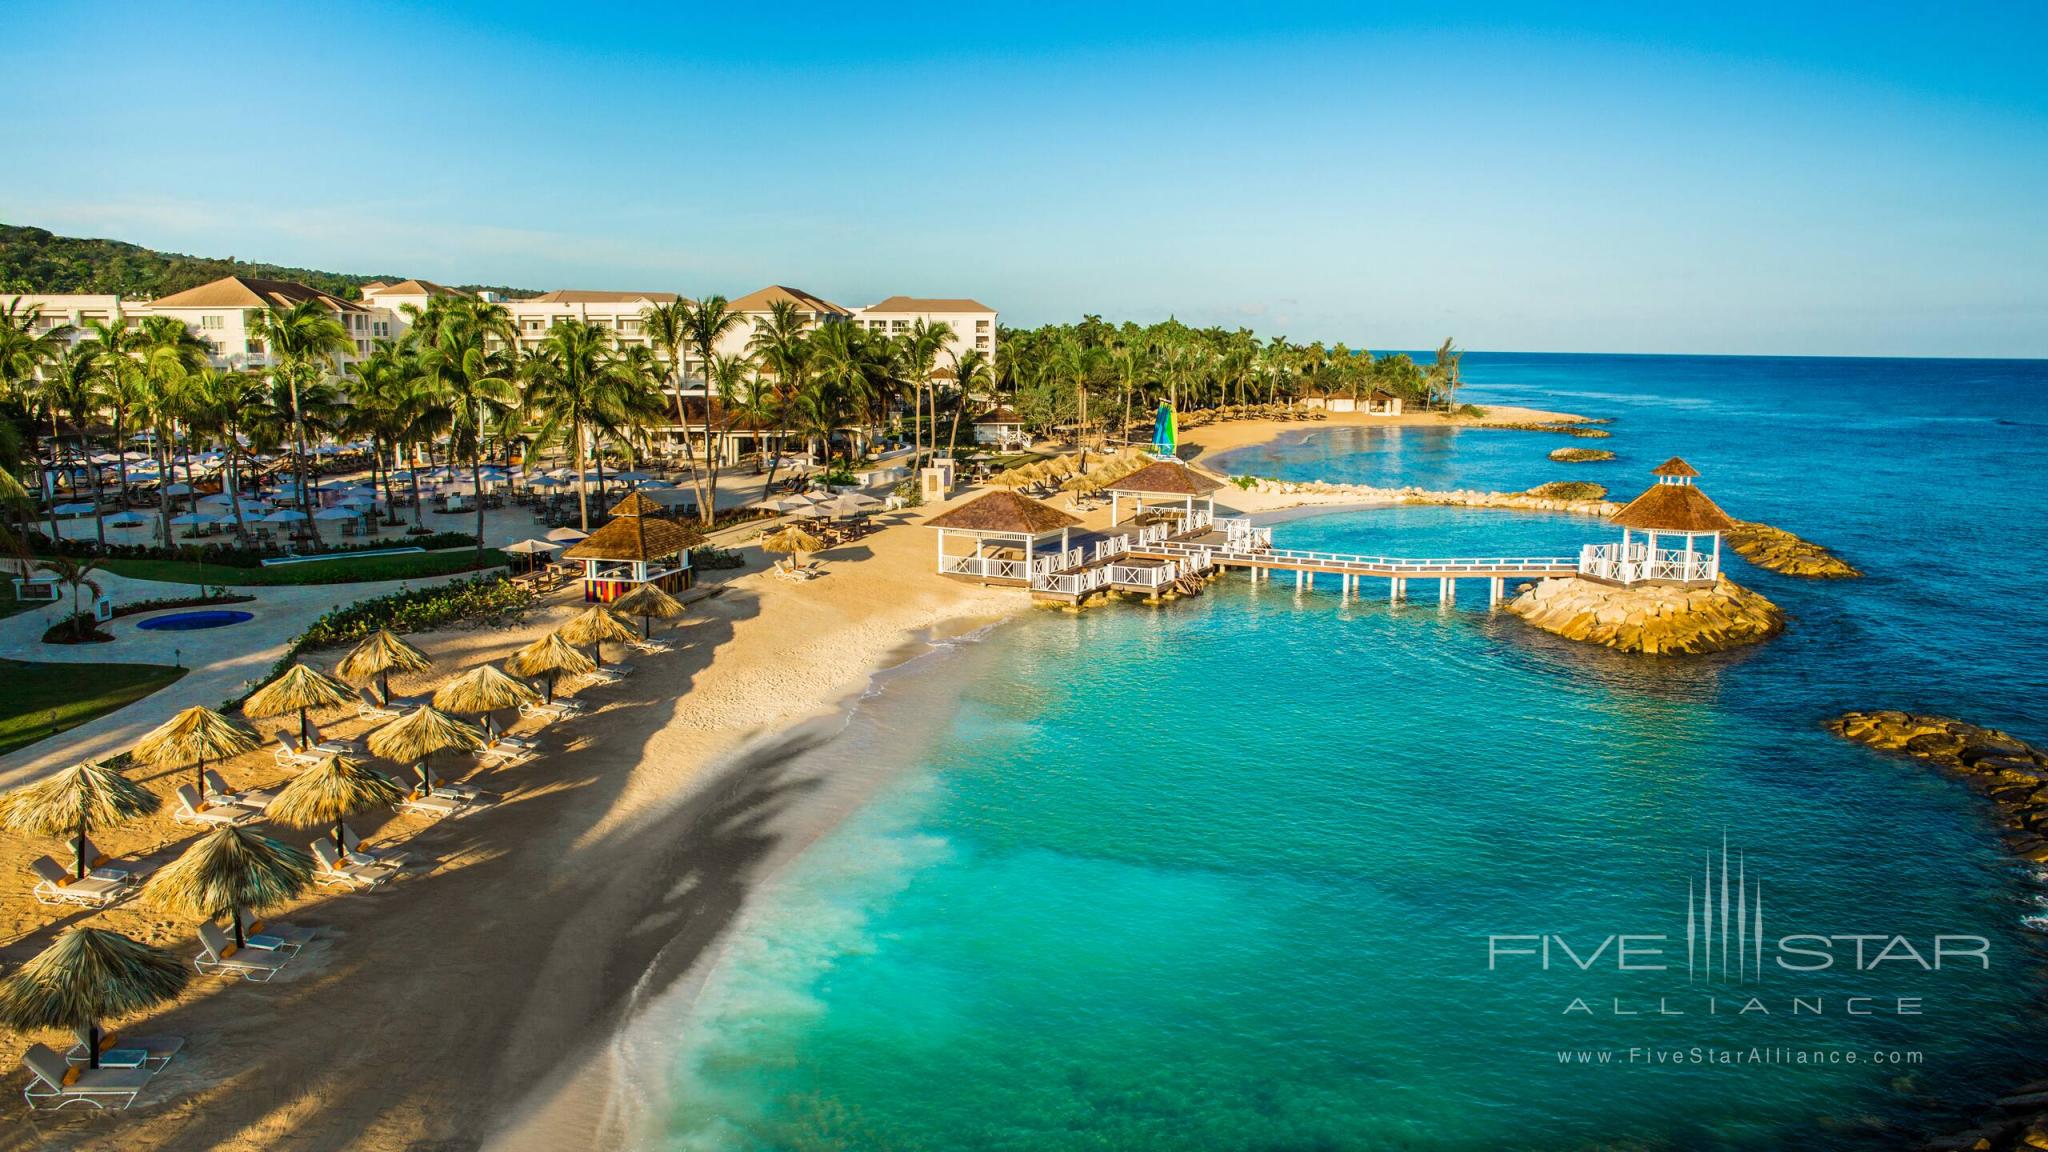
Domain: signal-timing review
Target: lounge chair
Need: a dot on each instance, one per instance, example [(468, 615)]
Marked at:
[(333, 746), (99, 1087), (355, 852), (218, 956), (56, 886), (370, 707), (254, 799), (272, 937), (608, 674), (650, 646), (330, 869), (95, 860), (192, 810), (505, 751), (556, 710), (433, 804), (125, 1051), (466, 793), (290, 755)]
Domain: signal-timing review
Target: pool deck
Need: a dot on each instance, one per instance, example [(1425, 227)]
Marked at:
[(221, 659)]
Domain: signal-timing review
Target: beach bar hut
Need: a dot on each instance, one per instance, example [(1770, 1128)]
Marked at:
[(638, 546), (1001, 427), (1011, 534), (1167, 484), (1673, 509)]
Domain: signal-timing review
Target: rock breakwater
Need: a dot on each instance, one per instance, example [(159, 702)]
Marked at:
[(1653, 619)]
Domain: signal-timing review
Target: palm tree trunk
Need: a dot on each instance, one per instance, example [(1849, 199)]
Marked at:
[(235, 487), (99, 515), (476, 483), (305, 495), (121, 458), (582, 488), (417, 511)]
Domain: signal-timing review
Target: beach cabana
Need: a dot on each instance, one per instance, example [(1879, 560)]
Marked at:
[(639, 546), (1166, 483), (1009, 531), (1672, 509), (1382, 403), (1001, 427)]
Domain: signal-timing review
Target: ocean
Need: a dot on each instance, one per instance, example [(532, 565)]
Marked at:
[(1267, 870)]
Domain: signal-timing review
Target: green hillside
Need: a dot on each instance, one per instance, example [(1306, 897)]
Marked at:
[(35, 260)]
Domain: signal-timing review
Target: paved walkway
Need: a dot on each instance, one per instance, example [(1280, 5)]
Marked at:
[(221, 660)]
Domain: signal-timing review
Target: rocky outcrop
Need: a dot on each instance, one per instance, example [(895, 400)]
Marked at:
[(2013, 775), (1322, 491), (1580, 455), (1577, 491), (1654, 619), (1781, 551), (1577, 428)]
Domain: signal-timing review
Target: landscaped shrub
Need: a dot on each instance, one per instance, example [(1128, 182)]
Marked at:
[(482, 600), (226, 552)]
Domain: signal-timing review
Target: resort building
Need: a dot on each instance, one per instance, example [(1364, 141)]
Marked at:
[(973, 323), (1012, 534), (1673, 508), (222, 313), (639, 545)]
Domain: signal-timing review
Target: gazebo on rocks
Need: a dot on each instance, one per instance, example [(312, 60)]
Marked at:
[(1011, 534), (638, 546), (1671, 509)]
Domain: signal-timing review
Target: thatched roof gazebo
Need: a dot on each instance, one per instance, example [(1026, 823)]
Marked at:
[(1166, 482), (1672, 507), (1014, 523), (638, 546)]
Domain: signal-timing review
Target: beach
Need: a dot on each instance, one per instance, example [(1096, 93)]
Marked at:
[(427, 1011)]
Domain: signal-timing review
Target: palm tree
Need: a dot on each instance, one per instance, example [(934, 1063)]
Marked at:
[(227, 406), (668, 329), (710, 320), (575, 387), (86, 976), (75, 573), (970, 371), (781, 348), (85, 796), (170, 356), (920, 348), (1079, 362), (471, 364), (1443, 375), (228, 871), (304, 341)]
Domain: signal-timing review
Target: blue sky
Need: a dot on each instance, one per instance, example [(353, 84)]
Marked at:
[(1777, 178)]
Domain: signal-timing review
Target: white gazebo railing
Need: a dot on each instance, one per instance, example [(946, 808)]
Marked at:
[(1150, 577), (1077, 583), (1241, 535), (1630, 563), (985, 567)]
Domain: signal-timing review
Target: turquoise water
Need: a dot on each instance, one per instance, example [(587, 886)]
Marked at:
[(1222, 874)]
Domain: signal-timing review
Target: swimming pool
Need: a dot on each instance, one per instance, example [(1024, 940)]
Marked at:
[(194, 621)]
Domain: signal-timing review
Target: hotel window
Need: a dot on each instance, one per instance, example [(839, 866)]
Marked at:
[(253, 348), (981, 341), (212, 322), (981, 325)]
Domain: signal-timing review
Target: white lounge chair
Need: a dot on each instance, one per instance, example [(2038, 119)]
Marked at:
[(504, 752), (556, 710), (125, 1051), (356, 852), (192, 810), (608, 673), (330, 869), (97, 862), (369, 707), (56, 886), (333, 746), (218, 956), (433, 804), (274, 937), (99, 1087), (253, 799), (465, 793), (650, 646), (290, 755)]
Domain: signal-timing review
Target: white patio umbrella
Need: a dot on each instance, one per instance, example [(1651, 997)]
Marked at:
[(284, 516), (789, 503), (566, 535), (126, 519), (177, 489), (188, 519), (335, 513)]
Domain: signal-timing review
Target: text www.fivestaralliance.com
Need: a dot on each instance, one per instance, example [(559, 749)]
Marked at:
[(1733, 1057)]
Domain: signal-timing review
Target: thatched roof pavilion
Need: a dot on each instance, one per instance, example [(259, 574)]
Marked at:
[(1176, 482), (639, 545), (1014, 523), (1673, 506)]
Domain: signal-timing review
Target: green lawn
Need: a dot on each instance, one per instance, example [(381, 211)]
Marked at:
[(42, 698), (343, 569)]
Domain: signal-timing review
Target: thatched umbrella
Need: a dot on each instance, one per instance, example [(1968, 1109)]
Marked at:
[(792, 540), (483, 689), (87, 975), (549, 656), (227, 870), (648, 601), (82, 797), (332, 791), (379, 653), (419, 734), (194, 734), (299, 689), (595, 625)]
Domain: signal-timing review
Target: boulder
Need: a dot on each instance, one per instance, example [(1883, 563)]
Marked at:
[(1652, 619)]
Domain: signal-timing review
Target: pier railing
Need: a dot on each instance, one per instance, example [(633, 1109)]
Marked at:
[(1373, 565), (985, 567), (1076, 583), (1635, 562), (1241, 535)]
